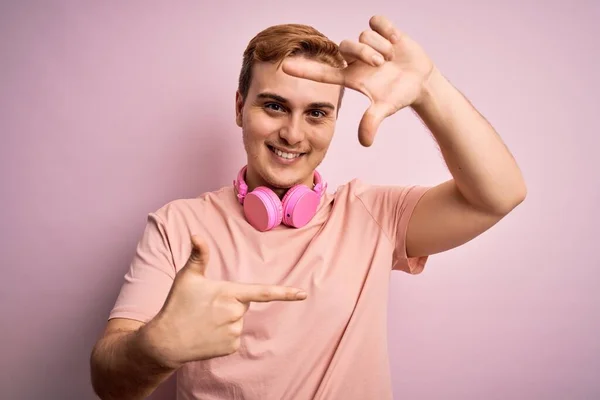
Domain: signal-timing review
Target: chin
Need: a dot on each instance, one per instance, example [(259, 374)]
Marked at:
[(286, 177), (282, 179), (281, 173)]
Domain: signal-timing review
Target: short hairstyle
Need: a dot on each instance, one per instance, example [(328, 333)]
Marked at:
[(277, 42)]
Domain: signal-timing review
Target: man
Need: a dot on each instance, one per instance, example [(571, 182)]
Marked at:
[(274, 288)]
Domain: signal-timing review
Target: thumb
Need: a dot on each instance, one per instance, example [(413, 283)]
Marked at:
[(199, 255), (369, 124)]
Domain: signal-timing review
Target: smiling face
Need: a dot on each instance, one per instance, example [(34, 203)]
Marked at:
[(287, 126)]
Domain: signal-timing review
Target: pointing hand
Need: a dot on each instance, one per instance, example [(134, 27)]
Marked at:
[(203, 318)]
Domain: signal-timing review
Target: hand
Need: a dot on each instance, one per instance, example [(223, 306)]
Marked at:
[(203, 318), (395, 81)]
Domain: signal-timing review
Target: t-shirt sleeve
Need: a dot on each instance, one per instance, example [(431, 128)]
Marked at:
[(392, 207), (150, 276)]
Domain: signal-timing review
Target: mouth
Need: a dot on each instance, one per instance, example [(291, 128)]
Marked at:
[(285, 155)]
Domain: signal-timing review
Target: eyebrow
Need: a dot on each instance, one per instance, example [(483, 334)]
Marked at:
[(283, 100)]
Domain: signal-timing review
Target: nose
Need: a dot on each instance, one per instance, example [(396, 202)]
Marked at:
[(292, 132)]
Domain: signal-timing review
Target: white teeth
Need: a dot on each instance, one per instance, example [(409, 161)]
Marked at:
[(288, 156)]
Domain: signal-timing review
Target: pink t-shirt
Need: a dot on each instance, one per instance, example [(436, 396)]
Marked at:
[(333, 345)]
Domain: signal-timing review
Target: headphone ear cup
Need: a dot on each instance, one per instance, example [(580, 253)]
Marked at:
[(299, 206), (263, 209)]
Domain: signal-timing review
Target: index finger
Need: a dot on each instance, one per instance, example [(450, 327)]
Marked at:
[(310, 69), (246, 293)]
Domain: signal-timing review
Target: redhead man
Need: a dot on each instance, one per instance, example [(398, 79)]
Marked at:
[(274, 287)]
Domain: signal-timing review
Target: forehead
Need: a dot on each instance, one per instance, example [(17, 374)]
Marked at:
[(267, 77)]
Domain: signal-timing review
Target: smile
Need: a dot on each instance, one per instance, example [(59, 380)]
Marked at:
[(283, 154)]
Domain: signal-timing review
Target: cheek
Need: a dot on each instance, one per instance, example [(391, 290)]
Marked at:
[(322, 139), (259, 127)]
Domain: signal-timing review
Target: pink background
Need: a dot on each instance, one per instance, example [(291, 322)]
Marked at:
[(107, 111)]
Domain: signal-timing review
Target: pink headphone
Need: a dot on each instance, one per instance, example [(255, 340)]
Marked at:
[(264, 210)]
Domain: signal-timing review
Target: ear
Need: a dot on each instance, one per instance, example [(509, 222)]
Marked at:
[(239, 106)]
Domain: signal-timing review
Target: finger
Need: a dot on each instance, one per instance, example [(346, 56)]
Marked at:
[(237, 312), (236, 328), (369, 124), (199, 255), (265, 293), (385, 28), (360, 51), (309, 69), (378, 43)]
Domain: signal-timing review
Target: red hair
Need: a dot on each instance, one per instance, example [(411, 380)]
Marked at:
[(277, 42)]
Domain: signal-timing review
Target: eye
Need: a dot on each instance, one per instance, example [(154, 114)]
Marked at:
[(274, 106), (317, 114)]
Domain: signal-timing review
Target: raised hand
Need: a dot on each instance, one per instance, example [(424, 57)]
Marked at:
[(385, 65), (203, 318)]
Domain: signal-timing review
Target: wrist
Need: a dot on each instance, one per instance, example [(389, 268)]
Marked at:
[(433, 88), (155, 344)]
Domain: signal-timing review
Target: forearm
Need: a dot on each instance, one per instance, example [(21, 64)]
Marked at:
[(483, 168), (123, 367)]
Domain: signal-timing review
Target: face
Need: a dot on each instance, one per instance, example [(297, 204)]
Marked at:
[(287, 126)]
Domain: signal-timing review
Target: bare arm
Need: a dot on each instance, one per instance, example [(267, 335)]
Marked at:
[(487, 183), (124, 363)]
